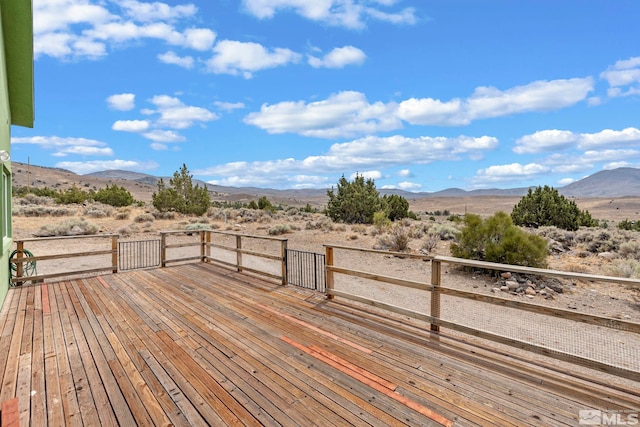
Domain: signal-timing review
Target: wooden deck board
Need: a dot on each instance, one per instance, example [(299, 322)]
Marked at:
[(199, 344)]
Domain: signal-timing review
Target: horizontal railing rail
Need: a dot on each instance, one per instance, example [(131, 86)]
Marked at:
[(21, 259), (436, 291), (205, 244)]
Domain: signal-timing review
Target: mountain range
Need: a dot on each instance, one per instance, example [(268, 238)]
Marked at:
[(618, 182)]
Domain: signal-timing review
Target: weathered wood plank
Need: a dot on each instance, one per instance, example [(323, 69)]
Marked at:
[(10, 377), (38, 402), (55, 411), (10, 413), (77, 383)]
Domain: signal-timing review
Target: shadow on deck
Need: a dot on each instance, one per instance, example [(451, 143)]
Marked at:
[(198, 344)]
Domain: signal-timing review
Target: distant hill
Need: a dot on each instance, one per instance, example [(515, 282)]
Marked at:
[(619, 182), (608, 183)]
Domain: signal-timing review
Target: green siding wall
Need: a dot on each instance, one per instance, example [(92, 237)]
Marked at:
[(5, 142)]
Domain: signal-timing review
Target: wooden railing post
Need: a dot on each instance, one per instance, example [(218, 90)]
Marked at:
[(207, 252), (436, 281), (239, 252), (328, 272), (19, 265), (114, 253), (202, 246), (163, 250), (283, 254)]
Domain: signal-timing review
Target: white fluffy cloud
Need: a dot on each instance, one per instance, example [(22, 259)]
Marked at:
[(349, 113), (163, 136), (229, 106), (81, 28), (131, 125), (62, 146), (364, 156), (171, 57), (339, 58), (121, 101), (240, 58), (554, 140), (345, 13), (175, 114), (487, 102), (344, 114), (509, 173), (623, 77)]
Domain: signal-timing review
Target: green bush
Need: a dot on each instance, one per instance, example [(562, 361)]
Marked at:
[(544, 206), (355, 202), (629, 225), (396, 207), (497, 239), (182, 196), (71, 195), (114, 195), (381, 220), (42, 192)]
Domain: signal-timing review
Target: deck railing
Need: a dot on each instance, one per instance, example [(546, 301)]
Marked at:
[(228, 243), (55, 245), (607, 352), (175, 247)]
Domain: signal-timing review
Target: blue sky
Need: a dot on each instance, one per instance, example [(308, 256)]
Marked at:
[(419, 95)]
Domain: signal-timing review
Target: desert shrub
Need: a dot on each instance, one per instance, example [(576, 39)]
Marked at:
[(397, 240), (416, 232), (381, 221), (42, 211), (164, 215), (430, 242), (445, 231), (94, 212), (197, 226), (114, 196), (630, 250), (628, 268), (565, 237), (359, 228), (122, 214), (279, 229), (497, 239), (584, 236), (145, 217), (32, 199), (70, 227), (324, 224), (545, 206)]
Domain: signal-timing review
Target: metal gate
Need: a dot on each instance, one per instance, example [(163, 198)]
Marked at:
[(138, 254), (306, 269)]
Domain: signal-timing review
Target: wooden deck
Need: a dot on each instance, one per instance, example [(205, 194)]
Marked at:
[(197, 344)]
